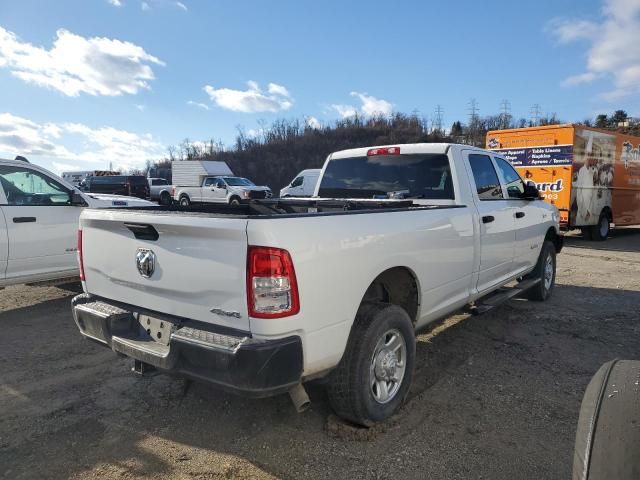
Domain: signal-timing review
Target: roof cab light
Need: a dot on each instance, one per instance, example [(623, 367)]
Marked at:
[(383, 151), (272, 289), (80, 259)]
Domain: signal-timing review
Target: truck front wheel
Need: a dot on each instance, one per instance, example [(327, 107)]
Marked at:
[(545, 271), (374, 375), (184, 201)]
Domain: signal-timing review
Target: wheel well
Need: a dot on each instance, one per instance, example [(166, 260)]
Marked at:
[(234, 197), (397, 286), (553, 237), (184, 195)]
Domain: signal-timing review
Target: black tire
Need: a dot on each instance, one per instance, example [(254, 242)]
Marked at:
[(542, 290), (600, 232), (185, 201), (608, 437), (165, 198), (350, 386), (234, 201)]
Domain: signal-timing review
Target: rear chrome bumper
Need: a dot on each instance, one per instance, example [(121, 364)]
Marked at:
[(239, 364)]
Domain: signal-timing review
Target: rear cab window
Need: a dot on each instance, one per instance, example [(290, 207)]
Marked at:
[(403, 176), (485, 176)]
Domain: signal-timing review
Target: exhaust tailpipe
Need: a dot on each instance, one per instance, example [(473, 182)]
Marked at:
[(299, 398)]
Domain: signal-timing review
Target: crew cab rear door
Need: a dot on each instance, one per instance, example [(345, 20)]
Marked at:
[(496, 221)]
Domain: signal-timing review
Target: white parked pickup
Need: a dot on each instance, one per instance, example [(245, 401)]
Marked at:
[(262, 296), (39, 214)]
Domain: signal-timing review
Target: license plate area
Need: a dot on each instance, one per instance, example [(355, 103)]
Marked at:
[(159, 330)]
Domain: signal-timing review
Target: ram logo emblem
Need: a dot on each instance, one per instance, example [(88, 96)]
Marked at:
[(146, 262)]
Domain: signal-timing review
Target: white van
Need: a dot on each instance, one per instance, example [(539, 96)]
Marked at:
[(302, 185)]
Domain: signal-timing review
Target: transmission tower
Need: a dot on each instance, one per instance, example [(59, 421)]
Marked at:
[(438, 118), (505, 113), (473, 111), (535, 114)]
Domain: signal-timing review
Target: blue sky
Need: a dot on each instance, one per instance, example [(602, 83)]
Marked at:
[(86, 82)]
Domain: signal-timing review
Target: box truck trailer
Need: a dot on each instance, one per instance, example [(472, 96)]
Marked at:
[(592, 176)]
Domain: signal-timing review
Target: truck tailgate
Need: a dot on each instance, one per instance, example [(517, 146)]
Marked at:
[(199, 266)]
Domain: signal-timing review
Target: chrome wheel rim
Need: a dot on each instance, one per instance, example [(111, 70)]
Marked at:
[(388, 366), (548, 272)]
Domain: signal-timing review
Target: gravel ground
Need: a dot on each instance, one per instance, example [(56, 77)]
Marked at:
[(494, 396)]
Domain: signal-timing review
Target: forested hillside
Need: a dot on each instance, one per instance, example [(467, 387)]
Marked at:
[(275, 154)]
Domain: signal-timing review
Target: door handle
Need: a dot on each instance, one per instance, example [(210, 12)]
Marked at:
[(23, 219), (519, 214), (488, 219)]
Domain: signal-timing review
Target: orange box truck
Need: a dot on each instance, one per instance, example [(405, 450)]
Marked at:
[(592, 176)]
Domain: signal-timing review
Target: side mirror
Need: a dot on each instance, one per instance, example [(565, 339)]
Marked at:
[(221, 185), (77, 200), (531, 192)]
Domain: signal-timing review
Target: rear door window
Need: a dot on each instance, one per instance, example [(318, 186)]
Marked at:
[(486, 178)]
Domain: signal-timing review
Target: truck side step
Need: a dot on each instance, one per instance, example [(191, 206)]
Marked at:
[(501, 295)]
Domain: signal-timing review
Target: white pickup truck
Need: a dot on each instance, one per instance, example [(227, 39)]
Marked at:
[(260, 297), (39, 215), (220, 189)]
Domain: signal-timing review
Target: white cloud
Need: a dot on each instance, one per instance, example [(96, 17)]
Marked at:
[(182, 6), (75, 64), (613, 51), (145, 7), (344, 111), (140, 107), (203, 106), (370, 106), (373, 106), (277, 98), (313, 122), (115, 3), (20, 136)]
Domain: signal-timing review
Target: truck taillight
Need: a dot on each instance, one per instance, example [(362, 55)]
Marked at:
[(383, 151), (80, 259), (272, 289)]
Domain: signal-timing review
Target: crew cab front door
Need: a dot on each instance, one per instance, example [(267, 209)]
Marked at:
[(41, 224), (496, 223)]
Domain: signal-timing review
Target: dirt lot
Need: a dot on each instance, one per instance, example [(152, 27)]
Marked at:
[(494, 396)]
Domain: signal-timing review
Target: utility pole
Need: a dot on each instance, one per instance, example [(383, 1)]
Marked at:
[(438, 119), (505, 107), (535, 114)]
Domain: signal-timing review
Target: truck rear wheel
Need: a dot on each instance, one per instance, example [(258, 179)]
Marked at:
[(373, 377), (545, 270), (600, 232), (165, 198), (184, 201)]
